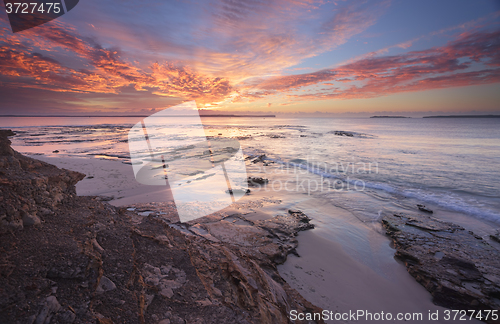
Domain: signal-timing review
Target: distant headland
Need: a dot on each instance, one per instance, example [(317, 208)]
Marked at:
[(389, 117), (465, 116)]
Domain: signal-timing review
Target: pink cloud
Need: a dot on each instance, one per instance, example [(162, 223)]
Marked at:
[(439, 67)]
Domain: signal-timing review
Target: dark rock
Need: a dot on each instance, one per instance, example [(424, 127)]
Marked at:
[(56, 151), (259, 158), (257, 181), (458, 269), (343, 133), (66, 317), (424, 209), (241, 138), (350, 134), (105, 284), (5, 149), (495, 237), (30, 220), (29, 188), (231, 191), (105, 198), (51, 306)]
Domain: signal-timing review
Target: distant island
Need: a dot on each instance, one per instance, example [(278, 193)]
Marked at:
[(465, 116), (389, 117)]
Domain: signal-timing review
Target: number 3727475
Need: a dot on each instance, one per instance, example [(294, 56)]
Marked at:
[(33, 7)]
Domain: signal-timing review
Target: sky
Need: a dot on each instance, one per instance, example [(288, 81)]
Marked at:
[(283, 56)]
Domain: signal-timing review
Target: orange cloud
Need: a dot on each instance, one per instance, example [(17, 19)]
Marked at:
[(176, 81), (107, 72)]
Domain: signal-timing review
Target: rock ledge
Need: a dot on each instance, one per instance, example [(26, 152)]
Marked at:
[(460, 269)]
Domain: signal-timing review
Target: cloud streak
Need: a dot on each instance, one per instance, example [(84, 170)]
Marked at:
[(471, 59)]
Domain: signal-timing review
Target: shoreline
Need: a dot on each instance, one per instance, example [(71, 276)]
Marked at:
[(111, 179), (346, 283), (330, 278)]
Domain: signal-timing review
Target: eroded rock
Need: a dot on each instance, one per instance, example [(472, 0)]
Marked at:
[(105, 284), (29, 189), (51, 307), (459, 268)]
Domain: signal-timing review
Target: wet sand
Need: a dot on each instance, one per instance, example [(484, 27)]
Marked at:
[(330, 278)]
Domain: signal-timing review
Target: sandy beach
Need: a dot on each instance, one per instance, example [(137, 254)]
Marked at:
[(330, 278)]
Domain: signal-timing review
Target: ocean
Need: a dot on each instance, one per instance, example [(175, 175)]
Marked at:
[(366, 167)]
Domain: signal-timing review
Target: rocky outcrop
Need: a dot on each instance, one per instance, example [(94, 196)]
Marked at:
[(257, 181), (89, 262), (424, 209), (350, 134), (256, 158), (29, 189), (343, 133), (460, 269)]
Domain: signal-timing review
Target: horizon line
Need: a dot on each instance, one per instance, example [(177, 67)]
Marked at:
[(142, 116)]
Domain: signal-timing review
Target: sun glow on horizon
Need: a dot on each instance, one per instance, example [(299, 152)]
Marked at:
[(326, 57)]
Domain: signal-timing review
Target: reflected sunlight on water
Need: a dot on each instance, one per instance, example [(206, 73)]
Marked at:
[(449, 164)]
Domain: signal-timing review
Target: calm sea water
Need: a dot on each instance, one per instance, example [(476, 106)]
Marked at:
[(450, 165)]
